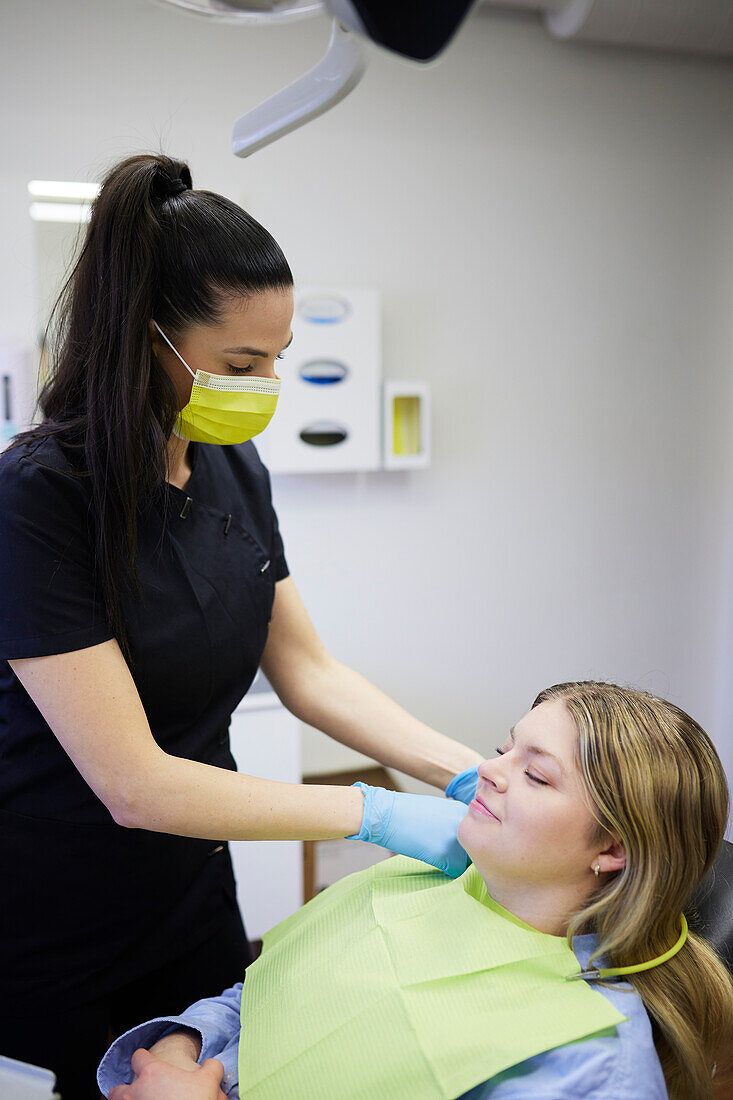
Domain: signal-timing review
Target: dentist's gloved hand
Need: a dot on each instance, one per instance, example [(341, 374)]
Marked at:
[(463, 786), (417, 825)]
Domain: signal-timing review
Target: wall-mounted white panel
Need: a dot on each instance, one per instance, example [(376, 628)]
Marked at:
[(329, 412)]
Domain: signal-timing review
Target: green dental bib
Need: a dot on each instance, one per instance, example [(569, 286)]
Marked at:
[(401, 982)]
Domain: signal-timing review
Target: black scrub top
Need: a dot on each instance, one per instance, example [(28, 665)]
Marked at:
[(88, 904)]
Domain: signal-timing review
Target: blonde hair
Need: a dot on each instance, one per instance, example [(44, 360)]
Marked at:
[(655, 782)]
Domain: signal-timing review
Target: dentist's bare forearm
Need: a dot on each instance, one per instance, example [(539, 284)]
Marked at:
[(187, 798), (353, 711)]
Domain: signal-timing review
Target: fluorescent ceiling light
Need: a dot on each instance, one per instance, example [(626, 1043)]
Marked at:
[(60, 212), (56, 189)]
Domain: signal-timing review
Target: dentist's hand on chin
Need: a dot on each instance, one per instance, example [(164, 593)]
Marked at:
[(159, 1080), (417, 825)]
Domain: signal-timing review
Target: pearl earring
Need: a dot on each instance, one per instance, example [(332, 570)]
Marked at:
[(597, 869)]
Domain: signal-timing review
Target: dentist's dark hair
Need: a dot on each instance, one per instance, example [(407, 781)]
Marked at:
[(153, 248)]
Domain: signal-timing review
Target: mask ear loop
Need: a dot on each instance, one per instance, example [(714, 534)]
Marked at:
[(170, 345), (618, 971)]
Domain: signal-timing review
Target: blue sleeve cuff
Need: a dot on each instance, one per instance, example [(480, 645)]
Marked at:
[(229, 1058), (216, 1019), (115, 1069)]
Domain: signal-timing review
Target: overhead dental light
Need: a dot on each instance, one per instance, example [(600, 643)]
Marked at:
[(418, 29)]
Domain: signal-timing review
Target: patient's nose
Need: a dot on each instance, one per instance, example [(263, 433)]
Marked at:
[(493, 771)]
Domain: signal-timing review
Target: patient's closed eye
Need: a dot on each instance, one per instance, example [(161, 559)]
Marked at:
[(534, 778)]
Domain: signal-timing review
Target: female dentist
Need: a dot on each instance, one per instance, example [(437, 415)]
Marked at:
[(142, 583)]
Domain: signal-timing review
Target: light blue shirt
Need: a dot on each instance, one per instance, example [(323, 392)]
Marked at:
[(618, 1064)]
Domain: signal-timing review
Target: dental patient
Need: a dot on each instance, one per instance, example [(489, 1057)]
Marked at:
[(559, 965)]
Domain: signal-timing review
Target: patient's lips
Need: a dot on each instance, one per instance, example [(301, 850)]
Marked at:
[(481, 808)]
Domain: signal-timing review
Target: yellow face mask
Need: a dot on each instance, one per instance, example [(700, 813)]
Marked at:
[(222, 409)]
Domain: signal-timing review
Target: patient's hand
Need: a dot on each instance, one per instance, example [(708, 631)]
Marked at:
[(159, 1080)]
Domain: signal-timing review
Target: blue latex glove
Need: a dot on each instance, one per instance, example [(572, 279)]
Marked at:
[(417, 825), (463, 786)]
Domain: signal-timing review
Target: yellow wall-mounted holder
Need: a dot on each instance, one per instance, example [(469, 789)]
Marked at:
[(406, 441)]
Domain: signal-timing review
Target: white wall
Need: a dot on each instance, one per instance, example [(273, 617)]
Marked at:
[(550, 225)]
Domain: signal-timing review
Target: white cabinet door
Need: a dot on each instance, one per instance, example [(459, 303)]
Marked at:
[(265, 740)]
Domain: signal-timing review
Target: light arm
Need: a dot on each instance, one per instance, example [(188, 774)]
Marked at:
[(342, 704)]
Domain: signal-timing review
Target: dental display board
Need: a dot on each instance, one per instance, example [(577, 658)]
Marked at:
[(329, 412)]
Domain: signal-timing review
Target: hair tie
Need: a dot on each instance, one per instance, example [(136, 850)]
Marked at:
[(175, 187)]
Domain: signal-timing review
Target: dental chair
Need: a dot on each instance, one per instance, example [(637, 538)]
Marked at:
[(712, 917), (712, 905)]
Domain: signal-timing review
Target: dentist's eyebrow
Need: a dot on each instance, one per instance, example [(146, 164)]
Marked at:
[(537, 751), (253, 351)]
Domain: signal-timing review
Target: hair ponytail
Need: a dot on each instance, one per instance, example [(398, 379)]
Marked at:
[(153, 249), (690, 1001), (655, 781)]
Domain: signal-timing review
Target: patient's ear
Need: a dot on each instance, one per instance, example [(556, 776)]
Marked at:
[(612, 858)]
